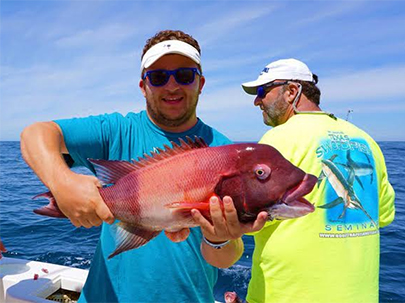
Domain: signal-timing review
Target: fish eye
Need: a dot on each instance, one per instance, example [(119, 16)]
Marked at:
[(262, 171)]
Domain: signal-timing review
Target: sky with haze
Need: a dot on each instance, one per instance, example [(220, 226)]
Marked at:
[(62, 59)]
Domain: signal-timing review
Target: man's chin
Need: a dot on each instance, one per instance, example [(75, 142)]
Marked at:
[(267, 121), (171, 120)]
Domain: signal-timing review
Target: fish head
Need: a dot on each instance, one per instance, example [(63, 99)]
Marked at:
[(273, 184)]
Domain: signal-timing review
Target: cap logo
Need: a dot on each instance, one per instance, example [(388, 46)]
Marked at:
[(167, 45), (265, 70)]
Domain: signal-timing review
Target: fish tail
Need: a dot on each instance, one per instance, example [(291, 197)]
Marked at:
[(50, 210)]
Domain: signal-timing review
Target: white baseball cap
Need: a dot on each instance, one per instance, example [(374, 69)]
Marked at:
[(284, 69), (169, 47)]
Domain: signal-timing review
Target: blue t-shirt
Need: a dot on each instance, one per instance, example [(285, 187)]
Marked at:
[(160, 271)]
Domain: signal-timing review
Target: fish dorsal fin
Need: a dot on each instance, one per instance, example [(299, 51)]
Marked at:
[(109, 171), (168, 152)]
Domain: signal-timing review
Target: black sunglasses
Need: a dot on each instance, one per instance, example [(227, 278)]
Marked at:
[(183, 76), (262, 90)]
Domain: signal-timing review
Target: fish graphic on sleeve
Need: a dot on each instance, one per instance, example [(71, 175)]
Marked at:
[(360, 169), (343, 188)]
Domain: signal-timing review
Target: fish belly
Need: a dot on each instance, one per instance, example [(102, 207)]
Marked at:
[(334, 181)]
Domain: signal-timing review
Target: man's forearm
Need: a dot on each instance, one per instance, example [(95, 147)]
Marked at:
[(41, 147)]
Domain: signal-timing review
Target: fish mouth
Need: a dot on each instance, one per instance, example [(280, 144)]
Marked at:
[(293, 204)]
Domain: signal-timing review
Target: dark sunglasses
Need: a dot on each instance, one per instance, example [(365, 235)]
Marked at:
[(264, 89), (183, 76)]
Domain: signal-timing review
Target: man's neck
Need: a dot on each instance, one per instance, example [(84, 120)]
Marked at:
[(305, 104), (189, 124)]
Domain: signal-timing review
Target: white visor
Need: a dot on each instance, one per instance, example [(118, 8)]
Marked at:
[(169, 47)]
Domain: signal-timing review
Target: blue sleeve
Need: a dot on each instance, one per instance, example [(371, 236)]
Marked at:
[(218, 138), (89, 137), (221, 139)]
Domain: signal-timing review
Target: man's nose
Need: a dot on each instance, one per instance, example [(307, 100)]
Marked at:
[(172, 84), (257, 101)]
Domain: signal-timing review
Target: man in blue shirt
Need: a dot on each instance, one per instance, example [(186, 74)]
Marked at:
[(161, 271)]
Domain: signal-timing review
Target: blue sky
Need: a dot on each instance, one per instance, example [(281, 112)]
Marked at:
[(62, 59)]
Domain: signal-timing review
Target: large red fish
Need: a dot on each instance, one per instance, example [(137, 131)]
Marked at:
[(157, 193)]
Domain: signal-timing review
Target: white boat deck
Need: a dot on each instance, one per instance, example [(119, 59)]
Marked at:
[(32, 281), (23, 281)]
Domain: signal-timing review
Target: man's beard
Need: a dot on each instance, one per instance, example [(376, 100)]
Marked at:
[(162, 119), (275, 112)]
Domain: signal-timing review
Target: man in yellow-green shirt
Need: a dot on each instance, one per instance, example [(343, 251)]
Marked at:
[(331, 255)]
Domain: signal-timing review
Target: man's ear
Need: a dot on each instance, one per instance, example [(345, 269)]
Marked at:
[(142, 87), (202, 82), (292, 91)]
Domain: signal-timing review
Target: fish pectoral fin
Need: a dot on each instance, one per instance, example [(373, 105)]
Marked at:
[(184, 208), (332, 204), (185, 205), (131, 236), (178, 236)]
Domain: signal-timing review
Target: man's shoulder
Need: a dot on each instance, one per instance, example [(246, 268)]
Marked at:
[(273, 134), (220, 136), (110, 122), (211, 135)]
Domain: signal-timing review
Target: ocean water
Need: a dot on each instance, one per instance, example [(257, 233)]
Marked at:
[(29, 236)]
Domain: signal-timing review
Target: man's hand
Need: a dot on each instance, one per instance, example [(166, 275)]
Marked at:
[(225, 223), (225, 226), (79, 199)]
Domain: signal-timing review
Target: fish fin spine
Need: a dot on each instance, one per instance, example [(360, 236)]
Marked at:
[(168, 152), (110, 171)]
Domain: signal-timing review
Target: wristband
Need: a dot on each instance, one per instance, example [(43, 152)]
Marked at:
[(215, 245)]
